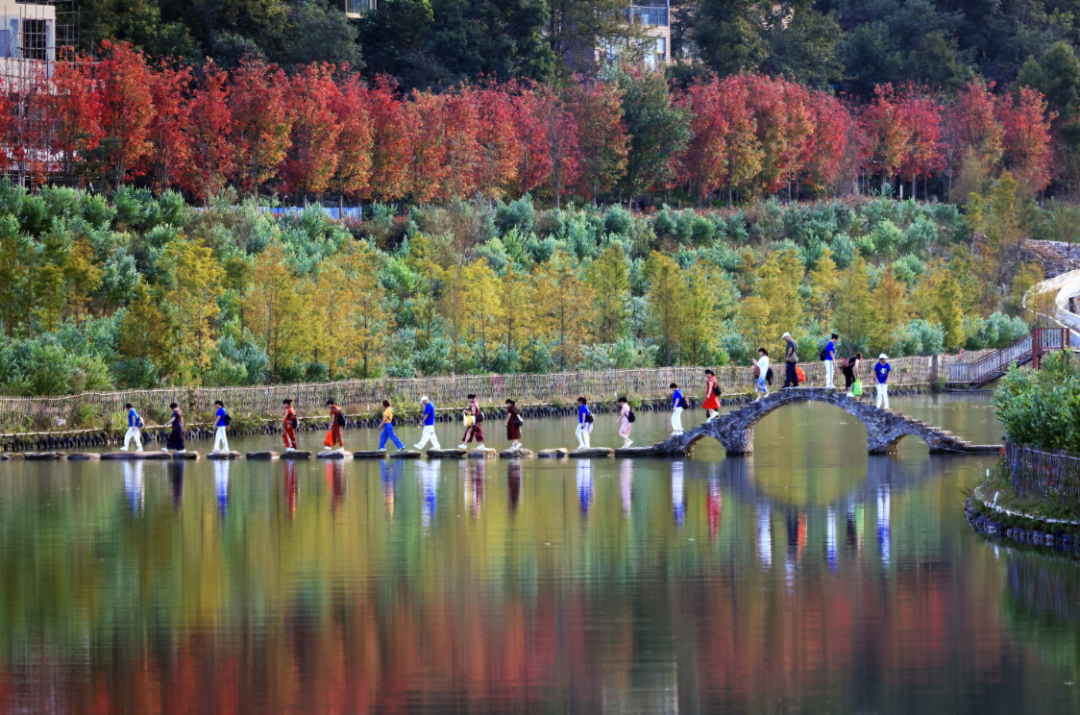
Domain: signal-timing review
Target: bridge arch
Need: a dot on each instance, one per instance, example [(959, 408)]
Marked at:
[(884, 428)]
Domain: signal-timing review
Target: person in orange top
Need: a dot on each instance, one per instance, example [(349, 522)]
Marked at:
[(288, 426), (712, 399), (337, 421)]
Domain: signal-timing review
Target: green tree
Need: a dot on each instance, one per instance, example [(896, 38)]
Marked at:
[(146, 333), (565, 308), (483, 307), (279, 313), (659, 129), (365, 309), (194, 279), (667, 304), (609, 276), (855, 318), (946, 308), (575, 28)]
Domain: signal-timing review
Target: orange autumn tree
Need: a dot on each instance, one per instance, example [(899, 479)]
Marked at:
[(500, 148), (312, 157), (888, 131), (261, 122), (170, 145), (602, 137), (463, 152), (392, 142), (705, 161), (533, 109), (209, 135), (425, 121), (355, 140), (1028, 139), (742, 146), (124, 81), (825, 162)]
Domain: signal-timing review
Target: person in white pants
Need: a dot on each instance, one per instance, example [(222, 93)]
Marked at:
[(585, 424), (428, 435), (830, 357), (676, 410), (881, 374), (134, 433), (221, 442)]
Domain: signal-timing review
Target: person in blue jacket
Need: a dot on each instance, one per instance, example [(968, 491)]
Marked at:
[(881, 373), (428, 435), (676, 410), (585, 423), (221, 423), (134, 430), (830, 361)]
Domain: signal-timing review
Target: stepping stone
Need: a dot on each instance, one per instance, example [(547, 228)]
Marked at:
[(222, 456), (43, 456), (11, 456), (406, 454), (557, 453), (334, 455), (446, 454), (368, 454), (517, 454), (486, 453), (295, 454), (185, 454), (638, 452), (132, 456), (593, 452), (83, 457), (263, 456)]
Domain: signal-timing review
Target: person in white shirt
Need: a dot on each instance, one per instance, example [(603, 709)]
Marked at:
[(762, 370)]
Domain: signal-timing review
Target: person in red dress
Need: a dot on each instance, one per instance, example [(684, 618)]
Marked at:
[(712, 399), (475, 430), (288, 426), (337, 421)]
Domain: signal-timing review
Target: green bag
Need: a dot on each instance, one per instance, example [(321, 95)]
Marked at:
[(856, 389)]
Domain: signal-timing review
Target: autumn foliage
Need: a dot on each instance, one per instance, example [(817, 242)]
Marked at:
[(322, 132)]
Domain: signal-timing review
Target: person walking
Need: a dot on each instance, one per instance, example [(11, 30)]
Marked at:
[(387, 432), (626, 416), (711, 403), (850, 368), (288, 426), (513, 425), (428, 434), (791, 361), (830, 357), (678, 404), (761, 369), (176, 432), (585, 423), (134, 430), (474, 418), (881, 373), (333, 436), (221, 424)]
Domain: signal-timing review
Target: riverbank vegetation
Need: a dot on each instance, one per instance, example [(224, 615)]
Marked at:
[(145, 290)]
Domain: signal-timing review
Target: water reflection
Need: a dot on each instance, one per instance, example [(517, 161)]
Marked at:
[(134, 487), (884, 528), (764, 534), (474, 486), (830, 539), (334, 470), (513, 485), (584, 472), (428, 472), (626, 485), (221, 484), (716, 503), (678, 498), (389, 472), (175, 470), (292, 487)]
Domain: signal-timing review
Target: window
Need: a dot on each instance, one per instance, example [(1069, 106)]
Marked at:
[(359, 7), (35, 40), (661, 51)]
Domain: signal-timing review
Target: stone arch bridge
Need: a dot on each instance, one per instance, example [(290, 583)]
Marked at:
[(884, 428)]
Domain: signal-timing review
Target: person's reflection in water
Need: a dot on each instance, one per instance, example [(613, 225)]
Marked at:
[(221, 484), (855, 526), (513, 485), (176, 476), (389, 473), (429, 488), (830, 538), (475, 488), (335, 483), (716, 504), (764, 535), (585, 485), (291, 487), (134, 486), (678, 495), (884, 530), (626, 485), (794, 548)]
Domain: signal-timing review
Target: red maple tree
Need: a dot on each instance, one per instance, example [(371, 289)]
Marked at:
[(391, 151), (312, 157), (1028, 139), (124, 80), (170, 145), (211, 158), (261, 122), (355, 140)]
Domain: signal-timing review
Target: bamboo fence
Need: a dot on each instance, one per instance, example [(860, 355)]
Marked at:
[(1044, 474), (355, 396)]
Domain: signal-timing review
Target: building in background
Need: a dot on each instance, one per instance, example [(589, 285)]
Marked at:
[(32, 34), (359, 8)]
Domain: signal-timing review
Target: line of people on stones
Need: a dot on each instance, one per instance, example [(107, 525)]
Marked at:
[(473, 416)]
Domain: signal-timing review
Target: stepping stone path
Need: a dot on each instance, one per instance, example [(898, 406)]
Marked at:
[(334, 455), (592, 452), (517, 454), (297, 454), (366, 454), (406, 454), (557, 453), (83, 457), (223, 456), (43, 456), (185, 455), (486, 453), (136, 456), (638, 452), (262, 456), (11, 456), (446, 454)]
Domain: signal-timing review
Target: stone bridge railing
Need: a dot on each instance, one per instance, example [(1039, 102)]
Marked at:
[(884, 428)]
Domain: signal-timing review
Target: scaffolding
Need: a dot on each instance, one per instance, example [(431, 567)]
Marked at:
[(34, 35)]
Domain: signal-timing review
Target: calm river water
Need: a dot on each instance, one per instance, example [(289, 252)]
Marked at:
[(806, 578)]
